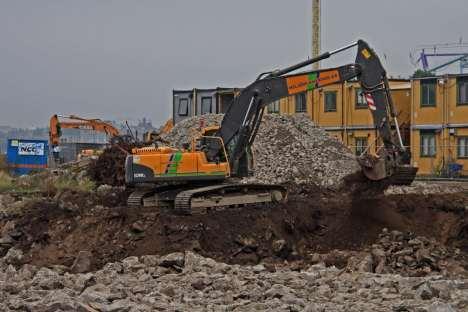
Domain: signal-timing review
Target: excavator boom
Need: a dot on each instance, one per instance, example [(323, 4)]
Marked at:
[(240, 124), (75, 122)]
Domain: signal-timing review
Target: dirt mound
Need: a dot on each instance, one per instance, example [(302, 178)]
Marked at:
[(54, 232), (109, 168)]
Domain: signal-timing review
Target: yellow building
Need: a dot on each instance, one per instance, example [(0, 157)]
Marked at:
[(342, 110), (439, 124)]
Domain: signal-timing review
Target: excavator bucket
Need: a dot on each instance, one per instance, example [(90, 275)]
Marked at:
[(379, 169), (403, 175)]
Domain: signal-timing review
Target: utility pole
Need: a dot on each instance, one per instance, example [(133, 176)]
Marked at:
[(316, 31)]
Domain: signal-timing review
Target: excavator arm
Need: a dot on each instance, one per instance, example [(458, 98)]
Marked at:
[(75, 122), (241, 122)]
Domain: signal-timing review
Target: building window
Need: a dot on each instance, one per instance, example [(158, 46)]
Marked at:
[(428, 144), (360, 100), (462, 147), (462, 86), (330, 101), (274, 107), (183, 107), (428, 92), (301, 103), (206, 105), (361, 145)]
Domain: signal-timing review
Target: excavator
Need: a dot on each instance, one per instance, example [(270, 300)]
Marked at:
[(205, 174), (75, 122)]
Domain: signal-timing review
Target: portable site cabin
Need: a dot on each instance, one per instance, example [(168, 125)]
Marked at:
[(24, 156)]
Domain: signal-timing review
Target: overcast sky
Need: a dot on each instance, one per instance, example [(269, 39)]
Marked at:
[(121, 59)]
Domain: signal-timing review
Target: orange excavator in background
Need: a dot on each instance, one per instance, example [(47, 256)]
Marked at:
[(75, 122), (154, 137)]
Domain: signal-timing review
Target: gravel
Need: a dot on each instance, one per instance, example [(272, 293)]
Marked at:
[(287, 149), (189, 282)]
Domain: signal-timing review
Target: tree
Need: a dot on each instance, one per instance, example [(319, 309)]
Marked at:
[(420, 73)]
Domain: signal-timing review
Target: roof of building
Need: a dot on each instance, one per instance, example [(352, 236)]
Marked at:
[(217, 89), (441, 76)]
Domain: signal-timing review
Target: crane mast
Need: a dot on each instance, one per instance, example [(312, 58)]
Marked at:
[(316, 31)]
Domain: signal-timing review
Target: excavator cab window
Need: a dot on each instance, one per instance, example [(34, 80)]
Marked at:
[(214, 143)]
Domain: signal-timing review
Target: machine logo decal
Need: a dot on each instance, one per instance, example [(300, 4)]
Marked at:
[(366, 53), (328, 77), (173, 163), (301, 83), (370, 101)]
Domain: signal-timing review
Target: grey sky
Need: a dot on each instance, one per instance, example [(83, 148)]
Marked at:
[(121, 59)]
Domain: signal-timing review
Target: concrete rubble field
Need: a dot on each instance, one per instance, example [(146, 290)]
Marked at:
[(68, 242)]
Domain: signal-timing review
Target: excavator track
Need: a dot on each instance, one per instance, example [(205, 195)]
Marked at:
[(224, 196), (183, 200), (136, 197)]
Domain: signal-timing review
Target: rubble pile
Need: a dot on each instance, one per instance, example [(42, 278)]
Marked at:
[(189, 282), (411, 255), (426, 187), (287, 149), (400, 253)]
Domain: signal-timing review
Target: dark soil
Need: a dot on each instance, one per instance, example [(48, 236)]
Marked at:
[(109, 168), (320, 221)]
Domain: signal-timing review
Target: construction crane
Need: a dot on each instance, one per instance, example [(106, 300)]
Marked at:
[(460, 56), (316, 31)]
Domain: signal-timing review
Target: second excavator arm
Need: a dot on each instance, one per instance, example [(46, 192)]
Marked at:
[(75, 122)]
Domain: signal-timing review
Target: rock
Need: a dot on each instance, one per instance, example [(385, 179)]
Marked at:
[(199, 284), (104, 189), (366, 265), (168, 291), (14, 256), (138, 227), (280, 248), (6, 240), (98, 294), (442, 289), (174, 260), (424, 292), (440, 307), (258, 268), (82, 262), (249, 244), (47, 279), (314, 307), (58, 300), (277, 291)]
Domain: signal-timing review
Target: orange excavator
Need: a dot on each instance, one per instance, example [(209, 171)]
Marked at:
[(201, 176), (75, 122)]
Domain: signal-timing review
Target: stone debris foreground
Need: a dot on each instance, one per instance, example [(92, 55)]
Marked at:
[(189, 282), (287, 149)]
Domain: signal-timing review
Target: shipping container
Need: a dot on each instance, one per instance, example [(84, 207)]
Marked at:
[(24, 156)]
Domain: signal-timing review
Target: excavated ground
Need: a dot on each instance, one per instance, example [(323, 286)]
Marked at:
[(54, 232)]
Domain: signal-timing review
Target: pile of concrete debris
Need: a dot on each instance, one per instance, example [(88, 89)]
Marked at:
[(411, 255), (287, 149), (400, 253), (427, 187), (189, 282)]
